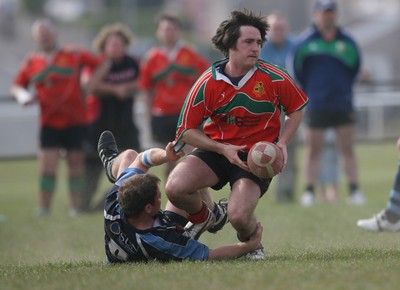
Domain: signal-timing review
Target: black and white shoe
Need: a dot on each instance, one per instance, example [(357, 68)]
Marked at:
[(108, 150), (221, 216), (194, 231)]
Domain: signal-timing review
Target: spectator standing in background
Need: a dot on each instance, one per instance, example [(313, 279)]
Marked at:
[(326, 64), (168, 72), (278, 49), (54, 72), (111, 102), (280, 43)]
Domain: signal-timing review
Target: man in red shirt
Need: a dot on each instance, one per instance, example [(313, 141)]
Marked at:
[(241, 98), (54, 73), (167, 74)]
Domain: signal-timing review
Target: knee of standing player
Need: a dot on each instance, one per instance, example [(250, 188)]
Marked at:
[(171, 189), (174, 188), (238, 218)]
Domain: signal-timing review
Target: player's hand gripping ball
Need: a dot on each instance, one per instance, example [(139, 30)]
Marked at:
[(265, 159)]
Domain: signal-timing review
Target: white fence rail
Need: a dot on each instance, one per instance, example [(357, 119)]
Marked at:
[(378, 115)]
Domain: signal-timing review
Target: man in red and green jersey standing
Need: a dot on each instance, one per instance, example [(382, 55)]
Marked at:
[(167, 74), (54, 73), (241, 97)]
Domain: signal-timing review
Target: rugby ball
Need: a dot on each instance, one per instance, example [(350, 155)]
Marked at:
[(265, 159)]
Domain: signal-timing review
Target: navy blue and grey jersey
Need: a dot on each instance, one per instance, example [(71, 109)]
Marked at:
[(163, 242)]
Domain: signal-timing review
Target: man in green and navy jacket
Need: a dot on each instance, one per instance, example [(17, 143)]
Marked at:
[(326, 64)]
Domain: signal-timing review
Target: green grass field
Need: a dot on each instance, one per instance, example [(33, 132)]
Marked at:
[(308, 248)]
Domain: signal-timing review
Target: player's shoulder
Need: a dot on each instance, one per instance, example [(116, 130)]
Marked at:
[(306, 36), (30, 58), (207, 75), (344, 34), (153, 53), (269, 67), (74, 48), (206, 81), (31, 55), (189, 47)]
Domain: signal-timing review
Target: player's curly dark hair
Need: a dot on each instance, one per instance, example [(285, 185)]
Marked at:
[(136, 192), (228, 31)]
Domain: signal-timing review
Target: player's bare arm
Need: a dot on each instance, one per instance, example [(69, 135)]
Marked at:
[(22, 95), (231, 153), (171, 154), (292, 123), (156, 156), (239, 249), (94, 84)]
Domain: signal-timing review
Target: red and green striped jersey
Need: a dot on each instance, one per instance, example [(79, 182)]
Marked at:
[(244, 114), (171, 77), (57, 85)]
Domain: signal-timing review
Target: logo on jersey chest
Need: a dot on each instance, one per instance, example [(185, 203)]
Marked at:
[(61, 61), (258, 89)]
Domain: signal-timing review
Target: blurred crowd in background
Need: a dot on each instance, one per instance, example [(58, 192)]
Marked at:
[(374, 24)]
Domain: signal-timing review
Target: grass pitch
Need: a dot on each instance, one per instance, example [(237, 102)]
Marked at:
[(308, 248)]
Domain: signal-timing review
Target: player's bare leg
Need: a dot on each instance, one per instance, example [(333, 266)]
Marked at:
[(48, 160), (242, 204), (183, 183), (205, 195), (182, 189), (75, 163), (315, 144), (315, 140), (122, 161), (345, 144)]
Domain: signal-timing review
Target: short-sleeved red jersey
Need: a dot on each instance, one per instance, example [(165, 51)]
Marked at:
[(171, 77), (243, 114), (57, 85)]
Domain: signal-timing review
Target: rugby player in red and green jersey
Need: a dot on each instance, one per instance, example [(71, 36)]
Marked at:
[(167, 73), (241, 98), (54, 71)]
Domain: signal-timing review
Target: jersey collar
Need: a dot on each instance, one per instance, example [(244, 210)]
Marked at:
[(217, 75)]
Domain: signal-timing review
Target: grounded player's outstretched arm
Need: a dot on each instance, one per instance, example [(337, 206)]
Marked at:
[(238, 249), (156, 156)]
